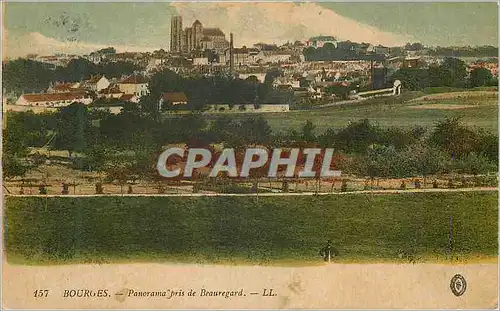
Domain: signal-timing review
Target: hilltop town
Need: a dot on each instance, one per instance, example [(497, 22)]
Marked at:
[(208, 151), (299, 75), (75, 111)]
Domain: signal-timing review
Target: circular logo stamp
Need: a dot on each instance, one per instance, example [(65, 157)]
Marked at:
[(458, 285)]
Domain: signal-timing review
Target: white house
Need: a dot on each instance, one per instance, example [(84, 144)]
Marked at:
[(199, 61), (96, 83), (134, 84)]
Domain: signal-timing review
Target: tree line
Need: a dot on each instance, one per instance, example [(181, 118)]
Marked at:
[(218, 89), (128, 143), (452, 72), (29, 76), (345, 50)]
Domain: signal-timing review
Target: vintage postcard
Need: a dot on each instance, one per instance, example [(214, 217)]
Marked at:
[(249, 155)]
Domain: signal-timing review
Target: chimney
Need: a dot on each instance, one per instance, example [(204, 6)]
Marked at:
[(231, 57)]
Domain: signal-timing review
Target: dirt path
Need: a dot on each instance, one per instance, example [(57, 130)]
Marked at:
[(324, 286), (391, 191)]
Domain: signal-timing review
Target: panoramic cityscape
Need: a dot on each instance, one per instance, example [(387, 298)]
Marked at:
[(326, 136)]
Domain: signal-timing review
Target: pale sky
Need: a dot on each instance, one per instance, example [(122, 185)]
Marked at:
[(45, 28)]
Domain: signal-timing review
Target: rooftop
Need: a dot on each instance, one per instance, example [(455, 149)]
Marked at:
[(323, 38), (212, 32), (134, 79), (175, 97), (46, 97), (95, 79)]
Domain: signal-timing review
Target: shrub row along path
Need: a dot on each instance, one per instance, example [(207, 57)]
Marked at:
[(390, 191)]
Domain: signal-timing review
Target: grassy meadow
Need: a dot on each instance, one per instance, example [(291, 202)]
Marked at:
[(251, 230), (475, 109)]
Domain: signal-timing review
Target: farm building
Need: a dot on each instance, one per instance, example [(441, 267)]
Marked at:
[(54, 100)]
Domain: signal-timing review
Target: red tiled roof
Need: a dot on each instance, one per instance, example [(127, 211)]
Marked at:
[(175, 97), (127, 96), (110, 90), (54, 97), (95, 79), (134, 79)]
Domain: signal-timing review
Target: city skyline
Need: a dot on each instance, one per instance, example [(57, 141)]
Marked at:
[(82, 27)]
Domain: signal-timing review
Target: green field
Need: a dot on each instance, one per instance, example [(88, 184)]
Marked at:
[(387, 112), (256, 230)]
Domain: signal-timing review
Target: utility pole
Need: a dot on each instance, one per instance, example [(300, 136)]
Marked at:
[(450, 237), (372, 75), (231, 56)]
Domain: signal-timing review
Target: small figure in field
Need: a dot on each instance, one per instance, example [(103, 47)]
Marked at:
[(328, 252)]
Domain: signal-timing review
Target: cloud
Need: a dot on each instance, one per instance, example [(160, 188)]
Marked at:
[(281, 22), (36, 43), (249, 22)]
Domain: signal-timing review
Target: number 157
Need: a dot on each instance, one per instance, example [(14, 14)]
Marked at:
[(40, 293)]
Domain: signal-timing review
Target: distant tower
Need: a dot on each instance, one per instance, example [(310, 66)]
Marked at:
[(197, 34), (231, 56), (176, 34)]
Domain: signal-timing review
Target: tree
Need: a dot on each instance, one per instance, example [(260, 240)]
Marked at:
[(252, 79), (452, 72), (15, 138), (13, 167), (95, 158), (426, 159), (223, 129), (357, 136), (308, 132), (413, 79), (165, 81), (271, 75), (475, 164), (480, 77), (77, 69), (116, 69), (455, 138), (26, 76), (72, 124), (414, 46), (338, 90), (255, 130)]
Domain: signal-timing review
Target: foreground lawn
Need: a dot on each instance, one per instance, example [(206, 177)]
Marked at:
[(263, 230)]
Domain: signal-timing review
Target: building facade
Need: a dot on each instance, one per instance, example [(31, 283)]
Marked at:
[(195, 37), (176, 34), (134, 85), (54, 100)]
